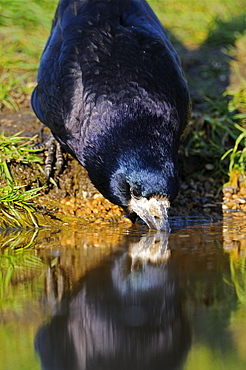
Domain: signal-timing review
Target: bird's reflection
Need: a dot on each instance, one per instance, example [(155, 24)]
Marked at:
[(125, 314)]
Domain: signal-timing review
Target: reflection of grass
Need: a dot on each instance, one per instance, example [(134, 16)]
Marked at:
[(205, 357), (235, 246), (17, 349), (12, 267), (237, 278), (18, 265), (21, 286)]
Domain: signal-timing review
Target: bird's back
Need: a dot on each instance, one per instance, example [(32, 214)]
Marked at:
[(102, 52)]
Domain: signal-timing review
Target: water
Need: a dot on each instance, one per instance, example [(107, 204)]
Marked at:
[(116, 298)]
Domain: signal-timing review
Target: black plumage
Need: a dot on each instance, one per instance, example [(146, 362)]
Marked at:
[(111, 89)]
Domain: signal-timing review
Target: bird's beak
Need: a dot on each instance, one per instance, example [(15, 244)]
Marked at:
[(153, 211)]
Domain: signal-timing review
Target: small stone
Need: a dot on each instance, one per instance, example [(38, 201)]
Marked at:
[(184, 186), (243, 191), (97, 221), (241, 200), (209, 205), (209, 195), (207, 185), (229, 189), (80, 212), (209, 166), (227, 194), (84, 194), (97, 196)]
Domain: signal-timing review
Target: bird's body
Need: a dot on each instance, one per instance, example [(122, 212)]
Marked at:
[(111, 89)]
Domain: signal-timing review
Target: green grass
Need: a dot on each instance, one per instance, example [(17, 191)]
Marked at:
[(14, 88), (238, 157), (210, 38), (17, 149), (24, 28), (194, 22), (16, 206)]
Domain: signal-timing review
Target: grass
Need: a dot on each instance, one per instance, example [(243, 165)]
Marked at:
[(24, 29), (238, 158), (14, 89), (17, 149), (213, 37), (16, 206), (210, 38), (195, 22)]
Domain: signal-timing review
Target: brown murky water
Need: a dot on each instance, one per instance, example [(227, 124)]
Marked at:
[(124, 298)]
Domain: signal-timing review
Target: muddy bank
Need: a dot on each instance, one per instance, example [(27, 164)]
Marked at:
[(74, 199)]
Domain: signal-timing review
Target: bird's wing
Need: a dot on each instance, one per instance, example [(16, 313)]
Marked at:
[(59, 76), (54, 95), (59, 97), (140, 15)]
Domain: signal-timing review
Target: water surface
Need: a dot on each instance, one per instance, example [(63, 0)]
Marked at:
[(116, 298)]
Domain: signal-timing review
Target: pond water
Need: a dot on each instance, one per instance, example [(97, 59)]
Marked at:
[(116, 298)]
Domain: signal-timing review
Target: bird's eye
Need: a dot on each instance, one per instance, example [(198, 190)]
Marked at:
[(136, 192)]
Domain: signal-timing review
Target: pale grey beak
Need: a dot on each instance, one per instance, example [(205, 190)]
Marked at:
[(153, 211)]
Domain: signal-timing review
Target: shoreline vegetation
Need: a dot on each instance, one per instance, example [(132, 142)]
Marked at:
[(211, 42)]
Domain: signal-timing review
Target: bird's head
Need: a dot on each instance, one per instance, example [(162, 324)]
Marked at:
[(136, 167), (146, 192)]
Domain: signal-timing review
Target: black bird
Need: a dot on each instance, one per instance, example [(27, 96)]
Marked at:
[(111, 89)]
